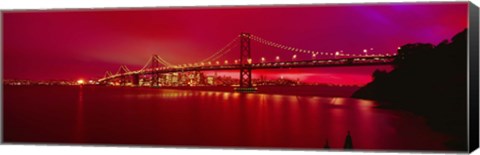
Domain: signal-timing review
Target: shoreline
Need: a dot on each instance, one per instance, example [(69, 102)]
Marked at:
[(323, 91), (303, 90)]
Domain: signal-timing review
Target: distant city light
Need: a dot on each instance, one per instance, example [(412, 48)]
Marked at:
[(80, 82)]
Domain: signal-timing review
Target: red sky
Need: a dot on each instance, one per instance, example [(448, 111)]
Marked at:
[(85, 43)]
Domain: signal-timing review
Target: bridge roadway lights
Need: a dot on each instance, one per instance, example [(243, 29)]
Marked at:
[(245, 89)]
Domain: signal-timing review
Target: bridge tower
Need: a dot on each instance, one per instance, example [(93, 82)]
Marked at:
[(153, 65), (245, 64), (107, 74), (121, 71)]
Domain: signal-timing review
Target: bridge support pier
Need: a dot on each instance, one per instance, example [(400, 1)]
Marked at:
[(154, 80), (135, 79), (123, 81)]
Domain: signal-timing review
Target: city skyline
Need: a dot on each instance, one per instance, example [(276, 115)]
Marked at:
[(85, 44)]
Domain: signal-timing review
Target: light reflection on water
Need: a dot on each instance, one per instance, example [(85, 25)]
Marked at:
[(80, 122), (206, 118)]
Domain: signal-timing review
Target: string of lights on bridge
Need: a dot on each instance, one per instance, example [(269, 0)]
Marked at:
[(312, 52), (213, 59)]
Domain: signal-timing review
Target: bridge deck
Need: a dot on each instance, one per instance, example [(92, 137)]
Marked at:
[(362, 61)]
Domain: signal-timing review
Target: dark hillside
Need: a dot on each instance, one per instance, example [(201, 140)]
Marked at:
[(430, 81)]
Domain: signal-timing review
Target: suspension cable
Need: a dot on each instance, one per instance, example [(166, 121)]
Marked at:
[(222, 51)]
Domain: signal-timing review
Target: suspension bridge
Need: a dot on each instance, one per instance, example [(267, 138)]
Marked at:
[(158, 72)]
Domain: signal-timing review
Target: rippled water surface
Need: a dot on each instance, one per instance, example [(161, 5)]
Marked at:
[(147, 116)]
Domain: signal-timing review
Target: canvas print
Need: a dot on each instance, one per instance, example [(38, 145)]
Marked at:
[(387, 76)]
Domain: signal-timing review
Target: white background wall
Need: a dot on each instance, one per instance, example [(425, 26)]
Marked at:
[(82, 150)]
